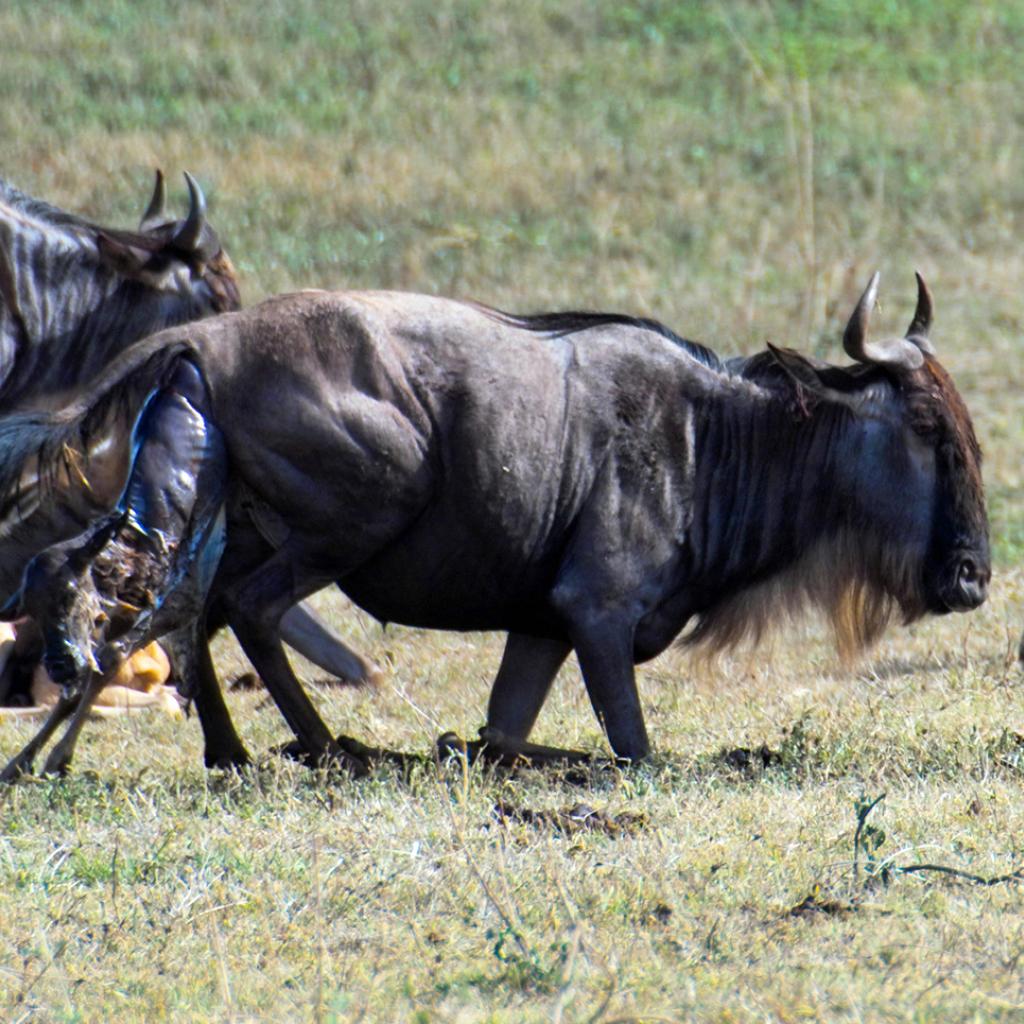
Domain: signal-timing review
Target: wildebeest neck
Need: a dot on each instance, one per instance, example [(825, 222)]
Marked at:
[(782, 524)]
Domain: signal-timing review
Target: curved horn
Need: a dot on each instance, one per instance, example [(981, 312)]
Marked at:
[(919, 327), (155, 213), (898, 353), (188, 237)]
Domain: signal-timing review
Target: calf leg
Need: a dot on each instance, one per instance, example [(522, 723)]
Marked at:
[(60, 757), (21, 763)]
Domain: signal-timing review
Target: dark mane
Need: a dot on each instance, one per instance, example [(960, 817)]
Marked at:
[(858, 573), (557, 325), (40, 211)]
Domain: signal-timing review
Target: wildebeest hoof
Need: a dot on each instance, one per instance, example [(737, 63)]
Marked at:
[(452, 744), (342, 760), (57, 764), (338, 759), (497, 748), (228, 760), (16, 768)]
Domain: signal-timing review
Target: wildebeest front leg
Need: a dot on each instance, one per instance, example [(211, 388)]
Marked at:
[(21, 763), (528, 668), (254, 608), (604, 647)]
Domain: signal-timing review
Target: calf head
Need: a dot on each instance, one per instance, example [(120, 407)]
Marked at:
[(84, 595)]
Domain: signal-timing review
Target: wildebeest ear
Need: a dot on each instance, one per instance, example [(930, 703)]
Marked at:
[(799, 369), (81, 556), (128, 260), (152, 267)]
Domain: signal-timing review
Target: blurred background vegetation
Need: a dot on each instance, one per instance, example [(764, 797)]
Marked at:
[(725, 166)]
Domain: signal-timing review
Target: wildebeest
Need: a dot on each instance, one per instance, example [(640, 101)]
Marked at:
[(585, 482), (73, 294)]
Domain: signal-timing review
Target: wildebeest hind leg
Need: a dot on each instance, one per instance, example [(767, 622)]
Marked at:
[(21, 763), (528, 668), (254, 608), (302, 629), (222, 746)]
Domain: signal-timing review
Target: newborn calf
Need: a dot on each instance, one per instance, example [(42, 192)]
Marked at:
[(143, 571)]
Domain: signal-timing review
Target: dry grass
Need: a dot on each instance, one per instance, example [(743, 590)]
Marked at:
[(737, 170)]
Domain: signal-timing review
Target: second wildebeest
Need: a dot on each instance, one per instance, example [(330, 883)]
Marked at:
[(587, 483)]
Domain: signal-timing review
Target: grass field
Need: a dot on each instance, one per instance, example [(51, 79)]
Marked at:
[(735, 169)]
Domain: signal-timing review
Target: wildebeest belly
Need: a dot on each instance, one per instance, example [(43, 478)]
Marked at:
[(446, 574)]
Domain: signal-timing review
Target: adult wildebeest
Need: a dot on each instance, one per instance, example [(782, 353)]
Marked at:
[(585, 482), (73, 295)]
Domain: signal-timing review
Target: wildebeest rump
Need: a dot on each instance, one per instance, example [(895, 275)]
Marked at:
[(586, 483), (73, 294)]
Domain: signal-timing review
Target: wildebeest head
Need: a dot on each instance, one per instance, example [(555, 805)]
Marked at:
[(919, 459), (74, 294), (167, 253)]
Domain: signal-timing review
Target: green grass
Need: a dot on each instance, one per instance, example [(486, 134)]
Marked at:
[(736, 169)]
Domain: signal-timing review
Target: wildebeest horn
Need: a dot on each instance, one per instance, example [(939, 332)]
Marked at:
[(188, 237), (155, 213), (898, 353), (919, 327)]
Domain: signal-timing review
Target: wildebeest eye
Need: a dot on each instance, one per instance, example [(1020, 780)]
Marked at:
[(926, 429), (923, 421)]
